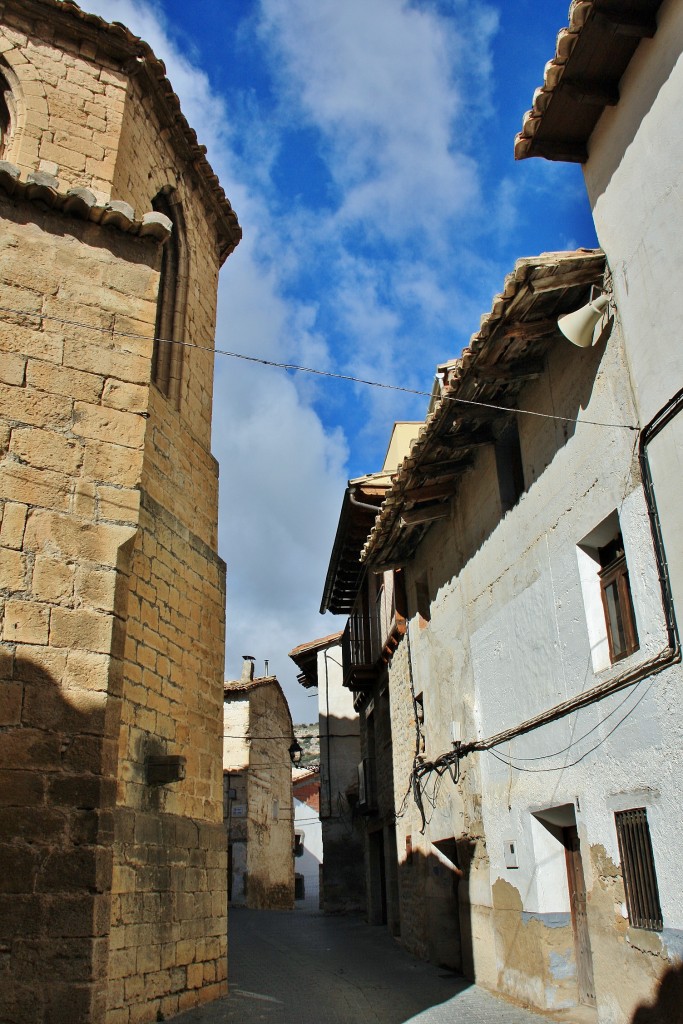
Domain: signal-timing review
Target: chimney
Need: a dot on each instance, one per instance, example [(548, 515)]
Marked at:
[(247, 668)]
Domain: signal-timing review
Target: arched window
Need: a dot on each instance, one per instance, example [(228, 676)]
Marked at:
[(7, 116), (167, 358)]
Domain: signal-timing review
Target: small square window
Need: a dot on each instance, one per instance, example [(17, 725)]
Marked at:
[(638, 869)]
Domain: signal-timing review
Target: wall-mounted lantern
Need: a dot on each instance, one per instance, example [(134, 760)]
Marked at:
[(295, 751)]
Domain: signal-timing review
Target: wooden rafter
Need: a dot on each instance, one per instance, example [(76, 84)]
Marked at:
[(596, 94), (417, 516)]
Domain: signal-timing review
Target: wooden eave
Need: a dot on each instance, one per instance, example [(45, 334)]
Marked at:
[(583, 77), (345, 571), (500, 359)]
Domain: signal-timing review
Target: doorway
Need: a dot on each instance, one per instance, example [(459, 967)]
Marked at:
[(577, 902), (563, 866)]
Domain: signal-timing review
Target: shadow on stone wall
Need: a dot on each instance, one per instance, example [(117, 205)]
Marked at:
[(56, 832), (435, 912), (668, 1005)]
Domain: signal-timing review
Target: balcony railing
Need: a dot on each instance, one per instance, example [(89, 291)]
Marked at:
[(373, 631)]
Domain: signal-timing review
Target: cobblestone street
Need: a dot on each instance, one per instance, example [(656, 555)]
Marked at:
[(304, 968)]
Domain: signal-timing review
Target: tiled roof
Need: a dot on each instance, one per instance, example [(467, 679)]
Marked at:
[(507, 351), (242, 686), (362, 500), (305, 657), (583, 77), (81, 203), (314, 645)]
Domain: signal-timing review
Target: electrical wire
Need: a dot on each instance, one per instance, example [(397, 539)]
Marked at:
[(574, 743), (571, 764), (309, 369)]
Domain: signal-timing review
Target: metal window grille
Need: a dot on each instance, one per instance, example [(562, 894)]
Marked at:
[(638, 868)]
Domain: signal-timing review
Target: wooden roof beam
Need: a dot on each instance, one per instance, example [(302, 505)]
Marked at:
[(527, 369), (418, 516), (637, 24), (592, 93), (524, 330), (430, 492), (582, 277), (452, 466), (482, 410)]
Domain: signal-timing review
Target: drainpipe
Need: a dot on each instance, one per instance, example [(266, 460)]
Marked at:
[(327, 733), (666, 657), (648, 434), (362, 504)]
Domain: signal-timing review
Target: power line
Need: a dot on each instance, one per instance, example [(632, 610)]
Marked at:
[(317, 372), (574, 743), (571, 764)]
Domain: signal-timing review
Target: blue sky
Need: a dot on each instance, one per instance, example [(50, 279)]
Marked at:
[(367, 148)]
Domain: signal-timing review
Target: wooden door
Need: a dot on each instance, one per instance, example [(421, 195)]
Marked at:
[(577, 899)]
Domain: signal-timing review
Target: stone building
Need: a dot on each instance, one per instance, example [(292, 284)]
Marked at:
[(114, 228), (342, 879), (257, 735)]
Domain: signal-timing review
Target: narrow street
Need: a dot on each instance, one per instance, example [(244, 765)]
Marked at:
[(305, 968)]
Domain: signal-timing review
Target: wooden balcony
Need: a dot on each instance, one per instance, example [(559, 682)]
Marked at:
[(373, 631)]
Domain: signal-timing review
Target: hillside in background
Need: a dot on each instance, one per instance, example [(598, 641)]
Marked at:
[(309, 739)]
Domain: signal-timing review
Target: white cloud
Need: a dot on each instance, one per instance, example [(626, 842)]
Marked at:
[(384, 84), (379, 279), (282, 474)]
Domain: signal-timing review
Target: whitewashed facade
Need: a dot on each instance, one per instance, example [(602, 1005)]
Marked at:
[(505, 624)]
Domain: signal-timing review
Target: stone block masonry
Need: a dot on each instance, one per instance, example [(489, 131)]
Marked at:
[(113, 891)]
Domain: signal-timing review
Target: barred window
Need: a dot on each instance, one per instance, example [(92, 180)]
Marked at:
[(638, 869)]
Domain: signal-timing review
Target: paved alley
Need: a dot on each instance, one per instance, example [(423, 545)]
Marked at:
[(305, 968)]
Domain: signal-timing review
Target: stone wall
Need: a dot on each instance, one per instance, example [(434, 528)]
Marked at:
[(270, 812), (111, 592), (69, 519)]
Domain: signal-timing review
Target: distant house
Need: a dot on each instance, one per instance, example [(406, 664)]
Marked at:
[(257, 781), (308, 839), (343, 883), (357, 664)]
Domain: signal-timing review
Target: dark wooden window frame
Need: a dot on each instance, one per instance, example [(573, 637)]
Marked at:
[(638, 869), (614, 579)]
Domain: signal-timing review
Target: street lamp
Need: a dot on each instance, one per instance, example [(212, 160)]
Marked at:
[(295, 751)]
